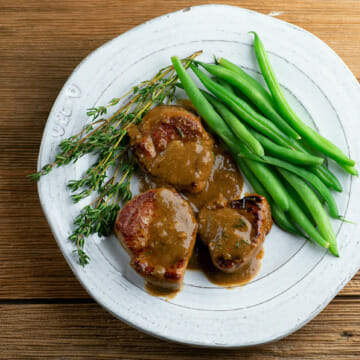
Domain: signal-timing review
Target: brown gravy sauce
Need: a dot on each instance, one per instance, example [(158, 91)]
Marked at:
[(171, 232), (156, 291), (228, 234), (225, 179), (200, 260), (196, 162)]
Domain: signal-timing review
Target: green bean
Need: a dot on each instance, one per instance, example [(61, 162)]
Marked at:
[(315, 207), (285, 221), (265, 175), (323, 192), (311, 178), (327, 177), (236, 126), (278, 215), (263, 103), (295, 196), (322, 172), (350, 169), (296, 213), (225, 84), (254, 182), (282, 152), (242, 109), (254, 83), (314, 139), (270, 182)]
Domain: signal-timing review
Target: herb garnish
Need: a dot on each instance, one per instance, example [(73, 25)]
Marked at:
[(109, 176), (240, 223), (237, 245), (180, 132)]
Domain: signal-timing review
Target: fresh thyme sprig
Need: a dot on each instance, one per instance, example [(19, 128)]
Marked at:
[(110, 175)]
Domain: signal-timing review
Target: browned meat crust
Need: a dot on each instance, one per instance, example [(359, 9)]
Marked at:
[(172, 145)]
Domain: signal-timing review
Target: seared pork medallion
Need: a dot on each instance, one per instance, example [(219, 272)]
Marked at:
[(158, 230), (172, 145), (234, 231)]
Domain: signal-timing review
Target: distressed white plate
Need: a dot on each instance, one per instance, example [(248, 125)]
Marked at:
[(297, 279)]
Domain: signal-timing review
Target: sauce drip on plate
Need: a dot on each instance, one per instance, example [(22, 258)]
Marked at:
[(201, 260), (156, 291)]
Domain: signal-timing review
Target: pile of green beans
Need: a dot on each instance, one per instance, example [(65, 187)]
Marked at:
[(241, 132), (266, 139), (315, 139), (259, 98), (323, 172), (242, 109)]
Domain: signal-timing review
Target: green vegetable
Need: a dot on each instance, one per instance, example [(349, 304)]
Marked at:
[(285, 221), (249, 79), (236, 126), (350, 169), (242, 109), (314, 139), (299, 216), (314, 205), (322, 172), (270, 182), (282, 152), (225, 84), (306, 175), (327, 177), (258, 98), (311, 178), (278, 215), (263, 173)]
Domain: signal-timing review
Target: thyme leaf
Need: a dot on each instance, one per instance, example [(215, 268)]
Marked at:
[(239, 223), (110, 175), (180, 132)]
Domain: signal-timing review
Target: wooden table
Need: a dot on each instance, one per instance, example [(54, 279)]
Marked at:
[(44, 312)]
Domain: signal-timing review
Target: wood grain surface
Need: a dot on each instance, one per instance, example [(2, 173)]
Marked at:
[(44, 312)]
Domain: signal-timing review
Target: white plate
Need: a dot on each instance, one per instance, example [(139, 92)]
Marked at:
[(297, 279)]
